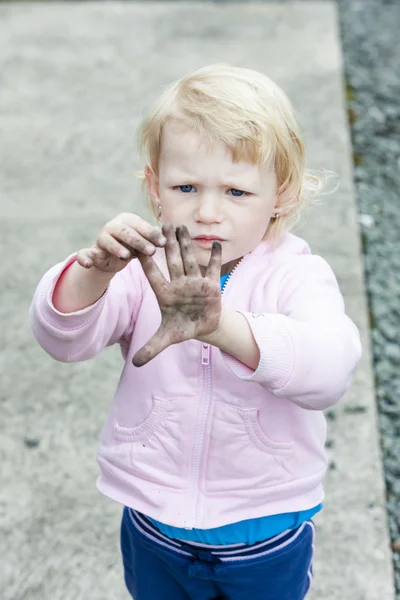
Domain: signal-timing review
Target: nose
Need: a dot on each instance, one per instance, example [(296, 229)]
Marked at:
[(208, 209)]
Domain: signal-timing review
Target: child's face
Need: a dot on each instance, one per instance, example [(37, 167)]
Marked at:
[(199, 186)]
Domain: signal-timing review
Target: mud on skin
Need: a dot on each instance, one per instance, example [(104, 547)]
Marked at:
[(190, 304)]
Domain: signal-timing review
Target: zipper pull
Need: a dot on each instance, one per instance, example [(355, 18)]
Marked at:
[(205, 354)]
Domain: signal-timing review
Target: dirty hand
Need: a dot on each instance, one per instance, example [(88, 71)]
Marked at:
[(120, 240), (190, 304)]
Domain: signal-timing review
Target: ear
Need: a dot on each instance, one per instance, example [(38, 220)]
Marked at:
[(152, 186), (281, 206)]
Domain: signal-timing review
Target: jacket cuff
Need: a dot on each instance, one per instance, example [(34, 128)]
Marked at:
[(66, 321), (276, 352)]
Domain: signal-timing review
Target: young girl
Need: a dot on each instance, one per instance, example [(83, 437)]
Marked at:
[(235, 339)]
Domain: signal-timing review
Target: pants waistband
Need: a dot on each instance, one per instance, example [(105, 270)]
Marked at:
[(216, 554)]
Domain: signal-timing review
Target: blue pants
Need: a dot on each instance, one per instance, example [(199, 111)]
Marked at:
[(158, 568)]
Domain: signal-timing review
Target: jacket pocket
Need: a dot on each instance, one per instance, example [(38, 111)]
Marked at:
[(241, 456), (259, 438), (159, 449), (142, 431)]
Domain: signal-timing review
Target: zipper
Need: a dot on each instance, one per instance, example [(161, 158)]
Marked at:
[(205, 355), (230, 275), (200, 431), (202, 422)]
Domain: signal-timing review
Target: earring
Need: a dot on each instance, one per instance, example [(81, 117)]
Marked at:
[(277, 215)]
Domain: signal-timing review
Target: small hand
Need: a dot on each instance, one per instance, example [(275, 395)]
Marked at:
[(123, 238), (190, 304)]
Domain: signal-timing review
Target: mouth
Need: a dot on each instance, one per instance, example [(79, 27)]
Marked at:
[(206, 241)]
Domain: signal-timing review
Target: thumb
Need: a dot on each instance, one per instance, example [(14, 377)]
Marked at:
[(159, 342)]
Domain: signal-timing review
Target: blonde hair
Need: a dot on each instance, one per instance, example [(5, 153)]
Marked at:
[(250, 114)]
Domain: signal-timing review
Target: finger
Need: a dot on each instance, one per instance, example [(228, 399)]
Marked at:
[(189, 261), (159, 342), (98, 254), (145, 229), (153, 273), (107, 242), (89, 257), (214, 266), (126, 237), (173, 253), (84, 258)]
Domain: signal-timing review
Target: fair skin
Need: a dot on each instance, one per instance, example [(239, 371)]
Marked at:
[(234, 201), (199, 186), (201, 191)]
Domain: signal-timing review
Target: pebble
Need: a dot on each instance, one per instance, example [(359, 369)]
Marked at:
[(396, 546), (367, 221), (355, 408), (330, 415), (31, 443)]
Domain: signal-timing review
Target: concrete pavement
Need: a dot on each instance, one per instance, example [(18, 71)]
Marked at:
[(75, 78)]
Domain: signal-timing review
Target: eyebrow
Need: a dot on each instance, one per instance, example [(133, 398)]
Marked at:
[(235, 186), (190, 179)]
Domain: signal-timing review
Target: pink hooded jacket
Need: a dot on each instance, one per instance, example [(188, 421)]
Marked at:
[(195, 438)]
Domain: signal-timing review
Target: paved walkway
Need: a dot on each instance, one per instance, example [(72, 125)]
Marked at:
[(75, 78)]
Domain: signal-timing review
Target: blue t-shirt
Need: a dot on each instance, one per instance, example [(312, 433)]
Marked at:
[(249, 531), (223, 279)]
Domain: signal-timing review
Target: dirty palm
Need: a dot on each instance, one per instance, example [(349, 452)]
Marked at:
[(190, 304)]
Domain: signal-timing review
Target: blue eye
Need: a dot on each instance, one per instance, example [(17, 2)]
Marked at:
[(237, 193), (186, 188)]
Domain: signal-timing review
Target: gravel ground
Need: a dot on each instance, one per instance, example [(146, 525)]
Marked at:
[(369, 30)]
